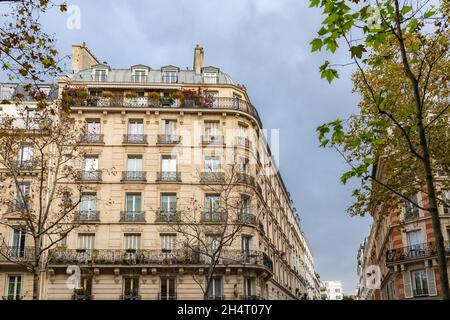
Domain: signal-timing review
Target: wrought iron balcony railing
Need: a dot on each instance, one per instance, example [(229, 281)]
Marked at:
[(167, 216), (19, 206), (248, 218), (212, 216), (412, 252), (212, 176), (87, 215), (130, 297), (20, 254), (156, 257), (92, 138), (243, 142), (168, 139), (26, 164), (135, 139), (167, 296), (221, 103), (134, 176), (132, 216), (90, 175), (245, 178), (173, 176), (212, 140)]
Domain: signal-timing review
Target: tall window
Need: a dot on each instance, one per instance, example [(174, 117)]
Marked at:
[(14, 287), (212, 203), (132, 241), (134, 163), (412, 211), (25, 155), (420, 282), (139, 76), (446, 199), (210, 77), (212, 242), (93, 127), (167, 288), (170, 76), (245, 204), (133, 202), (212, 164), (130, 287), (415, 243), (136, 127), (88, 206), (90, 163), (23, 194), (168, 242), (168, 202), (169, 127), (215, 288), (86, 241), (168, 165), (248, 286), (18, 243), (236, 101), (246, 244), (212, 128), (244, 165)]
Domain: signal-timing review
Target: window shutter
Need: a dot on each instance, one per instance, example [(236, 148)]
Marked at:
[(407, 284), (431, 282)]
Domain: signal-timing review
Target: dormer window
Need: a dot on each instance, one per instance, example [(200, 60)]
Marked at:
[(99, 75), (210, 77), (170, 77), (139, 75)]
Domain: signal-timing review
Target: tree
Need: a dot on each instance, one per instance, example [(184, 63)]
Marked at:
[(208, 233), (401, 55), (39, 154)]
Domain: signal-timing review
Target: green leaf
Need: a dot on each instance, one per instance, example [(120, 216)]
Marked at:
[(357, 51), (314, 3), (406, 9), (429, 14), (329, 74), (316, 45)]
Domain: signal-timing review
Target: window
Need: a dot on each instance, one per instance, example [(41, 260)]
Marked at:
[(446, 203), (212, 203), (210, 77), (245, 204), (93, 127), (215, 288), (236, 100), (242, 131), (18, 243), (415, 243), (246, 244), (90, 163), (130, 288), (86, 241), (14, 287), (85, 289), (169, 127), (248, 286), (337, 290), (170, 76), (244, 165), (212, 164), (139, 76), (168, 242), (420, 282), (412, 211), (168, 164), (133, 202), (23, 194), (168, 202), (136, 127), (167, 288), (212, 128), (88, 206), (338, 297), (134, 163), (132, 241), (25, 155), (99, 75)]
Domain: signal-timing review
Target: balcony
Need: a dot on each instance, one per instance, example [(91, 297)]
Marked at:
[(65, 257), (130, 296), (137, 102), (87, 216), (168, 139), (19, 206), (168, 176), (132, 216), (91, 139), (245, 179), (26, 164), (134, 139), (212, 176), (215, 140), (243, 142), (134, 176), (414, 252), (167, 216), (248, 218), (167, 296), (212, 216), (91, 175), (16, 254)]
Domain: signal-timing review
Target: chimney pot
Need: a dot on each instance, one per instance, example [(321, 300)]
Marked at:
[(198, 59)]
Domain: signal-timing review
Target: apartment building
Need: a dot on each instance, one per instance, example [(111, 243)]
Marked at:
[(334, 290), (155, 140), (398, 259)]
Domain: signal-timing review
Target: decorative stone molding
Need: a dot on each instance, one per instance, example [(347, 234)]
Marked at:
[(116, 275), (51, 275)]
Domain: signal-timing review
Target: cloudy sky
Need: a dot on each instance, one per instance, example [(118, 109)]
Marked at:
[(263, 44)]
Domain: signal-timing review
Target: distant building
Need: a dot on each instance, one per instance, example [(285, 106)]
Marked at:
[(334, 290)]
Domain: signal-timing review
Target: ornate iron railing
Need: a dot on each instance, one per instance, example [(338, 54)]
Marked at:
[(168, 139), (167, 216), (134, 176), (417, 251), (212, 140), (212, 216), (243, 142), (135, 138), (132, 216), (87, 215), (245, 178), (155, 257), (168, 176), (212, 176), (26, 164), (92, 138), (16, 254), (90, 175), (248, 218)]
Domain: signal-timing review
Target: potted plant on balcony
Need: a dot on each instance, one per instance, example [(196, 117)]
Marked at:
[(107, 94), (131, 94), (176, 95)]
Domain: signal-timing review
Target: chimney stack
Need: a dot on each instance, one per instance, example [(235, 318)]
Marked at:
[(198, 59), (82, 58)]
